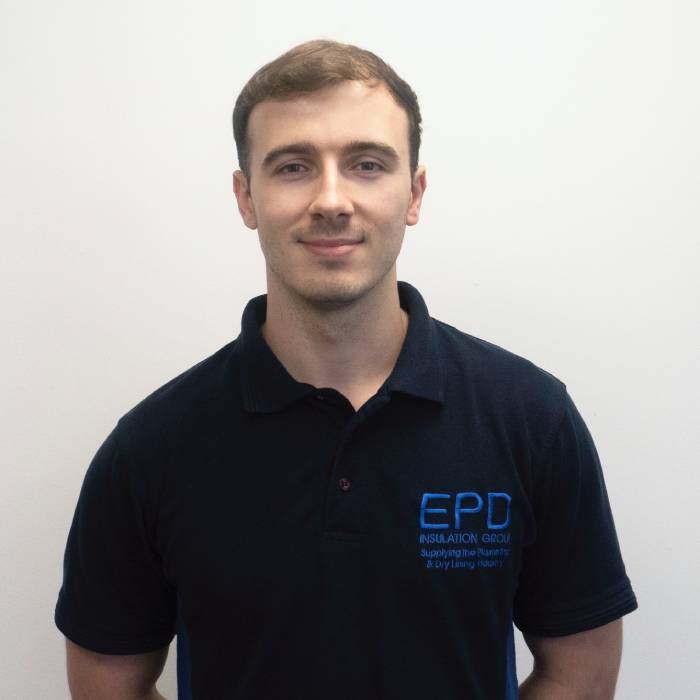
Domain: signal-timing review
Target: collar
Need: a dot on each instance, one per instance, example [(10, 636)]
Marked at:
[(267, 386)]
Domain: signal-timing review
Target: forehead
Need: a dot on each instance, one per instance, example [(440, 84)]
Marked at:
[(329, 118)]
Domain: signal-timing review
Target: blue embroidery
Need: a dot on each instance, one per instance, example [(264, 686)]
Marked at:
[(467, 550), (458, 500), (424, 510), (492, 497)]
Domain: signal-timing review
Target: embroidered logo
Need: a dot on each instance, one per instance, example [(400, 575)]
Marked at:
[(474, 525)]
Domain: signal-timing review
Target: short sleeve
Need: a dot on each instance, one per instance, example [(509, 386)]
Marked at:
[(572, 577), (114, 598)]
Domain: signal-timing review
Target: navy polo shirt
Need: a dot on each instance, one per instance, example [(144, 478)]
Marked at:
[(301, 549)]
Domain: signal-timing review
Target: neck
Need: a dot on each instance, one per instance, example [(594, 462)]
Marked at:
[(352, 348)]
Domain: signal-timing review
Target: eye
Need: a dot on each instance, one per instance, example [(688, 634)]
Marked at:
[(377, 167), (290, 165)]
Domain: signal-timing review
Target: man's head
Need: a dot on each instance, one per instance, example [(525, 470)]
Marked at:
[(311, 66), (328, 139)]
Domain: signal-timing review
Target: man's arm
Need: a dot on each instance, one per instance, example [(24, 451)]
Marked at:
[(93, 676), (582, 666)]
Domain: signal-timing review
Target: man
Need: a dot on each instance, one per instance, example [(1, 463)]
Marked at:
[(351, 500)]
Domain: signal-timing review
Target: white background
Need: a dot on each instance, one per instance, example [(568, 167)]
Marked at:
[(561, 222)]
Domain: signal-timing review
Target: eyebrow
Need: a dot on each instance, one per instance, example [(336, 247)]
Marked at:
[(306, 148)]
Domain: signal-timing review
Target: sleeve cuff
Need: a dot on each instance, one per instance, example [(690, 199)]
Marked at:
[(599, 610), (105, 642)]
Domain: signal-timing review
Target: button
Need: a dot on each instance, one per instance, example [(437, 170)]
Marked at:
[(344, 484), (320, 396)]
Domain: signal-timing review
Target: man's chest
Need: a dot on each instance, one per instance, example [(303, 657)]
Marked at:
[(429, 502), (352, 538)]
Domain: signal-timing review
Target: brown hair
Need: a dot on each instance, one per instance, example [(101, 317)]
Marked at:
[(311, 66)]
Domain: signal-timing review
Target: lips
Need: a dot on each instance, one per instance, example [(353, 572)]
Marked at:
[(332, 242), (332, 248)]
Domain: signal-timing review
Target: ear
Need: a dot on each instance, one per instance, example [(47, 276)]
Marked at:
[(418, 184), (244, 199)]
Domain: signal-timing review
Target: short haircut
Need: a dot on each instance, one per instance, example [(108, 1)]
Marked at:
[(311, 66)]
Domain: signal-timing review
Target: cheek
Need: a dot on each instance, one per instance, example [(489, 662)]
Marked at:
[(394, 204), (392, 218), (272, 211)]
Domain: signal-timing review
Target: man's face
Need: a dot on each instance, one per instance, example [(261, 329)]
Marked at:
[(322, 188)]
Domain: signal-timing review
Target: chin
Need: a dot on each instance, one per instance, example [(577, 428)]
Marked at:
[(328, 292)]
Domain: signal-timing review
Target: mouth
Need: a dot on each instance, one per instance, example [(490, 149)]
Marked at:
[(334, 248)]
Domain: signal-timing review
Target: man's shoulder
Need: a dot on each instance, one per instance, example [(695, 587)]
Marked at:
[(186, 400), (497, 374)]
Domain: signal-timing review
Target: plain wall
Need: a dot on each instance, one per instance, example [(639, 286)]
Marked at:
[(561, 221)]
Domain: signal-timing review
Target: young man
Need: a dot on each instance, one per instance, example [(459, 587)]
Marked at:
[(351, 499)]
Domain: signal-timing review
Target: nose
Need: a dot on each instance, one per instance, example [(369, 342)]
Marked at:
[(331, 200)]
